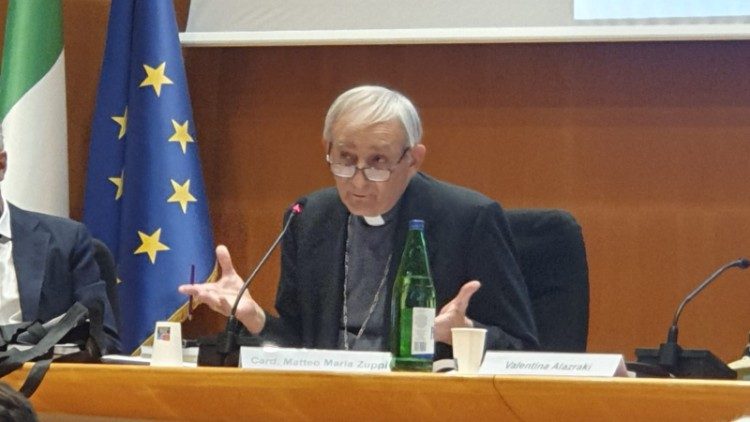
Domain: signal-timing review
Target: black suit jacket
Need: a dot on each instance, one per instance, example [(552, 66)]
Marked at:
[(54, 263), (467, 238)]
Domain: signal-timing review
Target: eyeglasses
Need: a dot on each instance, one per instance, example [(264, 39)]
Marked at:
[(372, 173)]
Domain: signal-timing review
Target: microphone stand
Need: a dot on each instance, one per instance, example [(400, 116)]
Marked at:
[(672, 359), (224, 350)]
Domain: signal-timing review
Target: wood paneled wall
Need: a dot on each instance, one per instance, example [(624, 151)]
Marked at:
[(647, 144)]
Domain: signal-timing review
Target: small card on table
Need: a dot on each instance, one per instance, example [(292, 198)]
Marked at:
[(313, 360), (554, 364)]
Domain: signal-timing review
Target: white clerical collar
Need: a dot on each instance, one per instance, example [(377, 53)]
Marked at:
[(376, 220)]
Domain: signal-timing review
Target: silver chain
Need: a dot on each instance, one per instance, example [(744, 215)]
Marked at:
[(346, 283)]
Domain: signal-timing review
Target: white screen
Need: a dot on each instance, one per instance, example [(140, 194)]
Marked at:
[(320, 22), (653, 9)]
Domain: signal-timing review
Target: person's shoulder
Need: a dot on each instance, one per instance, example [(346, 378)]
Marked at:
[(322, 197), (321, 201), (449, 194), (50, 222), (322, 211), (451, 208)]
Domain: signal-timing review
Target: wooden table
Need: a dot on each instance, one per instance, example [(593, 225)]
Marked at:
[(234, 394)]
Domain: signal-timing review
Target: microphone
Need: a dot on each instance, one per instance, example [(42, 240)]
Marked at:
[(674, 360), (222, 351)]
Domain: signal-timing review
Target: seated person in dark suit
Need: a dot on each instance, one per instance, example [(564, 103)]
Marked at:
[(46, 265), (348, 243)]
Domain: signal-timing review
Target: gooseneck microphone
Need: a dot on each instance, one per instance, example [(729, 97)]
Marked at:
[(226, 343), (741, 263), (675, 361)]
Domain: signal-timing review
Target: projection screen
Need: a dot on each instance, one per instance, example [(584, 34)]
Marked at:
[(333, 22)]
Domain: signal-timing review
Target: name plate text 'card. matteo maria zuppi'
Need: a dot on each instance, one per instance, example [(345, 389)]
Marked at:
[(554, 364), (313, 360)]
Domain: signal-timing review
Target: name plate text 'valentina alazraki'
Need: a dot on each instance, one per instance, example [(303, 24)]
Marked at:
[(554, 364)]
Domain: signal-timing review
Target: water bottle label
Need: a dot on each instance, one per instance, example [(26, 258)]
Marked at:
[(422, 332)]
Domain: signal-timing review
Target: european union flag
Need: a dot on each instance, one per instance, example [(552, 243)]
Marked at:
[(144, 190)]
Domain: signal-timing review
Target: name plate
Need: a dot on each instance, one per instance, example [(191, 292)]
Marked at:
[(554, 364), (313, 360)]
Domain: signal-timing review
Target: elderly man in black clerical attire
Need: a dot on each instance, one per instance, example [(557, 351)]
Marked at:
[(348, 243)]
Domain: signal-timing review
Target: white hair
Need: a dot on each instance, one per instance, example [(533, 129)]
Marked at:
[(367, 105)]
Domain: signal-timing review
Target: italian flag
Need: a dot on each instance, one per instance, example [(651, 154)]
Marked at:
[(32, 107)]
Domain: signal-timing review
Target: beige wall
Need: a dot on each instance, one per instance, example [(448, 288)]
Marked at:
[(647, 144)]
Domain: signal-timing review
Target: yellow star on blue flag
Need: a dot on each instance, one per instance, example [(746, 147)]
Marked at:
[(150, 245), (182, 194), (155, 78), (181, 135)]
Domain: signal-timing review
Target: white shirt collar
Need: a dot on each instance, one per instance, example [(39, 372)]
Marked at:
[(374, 220), (5, 220)]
